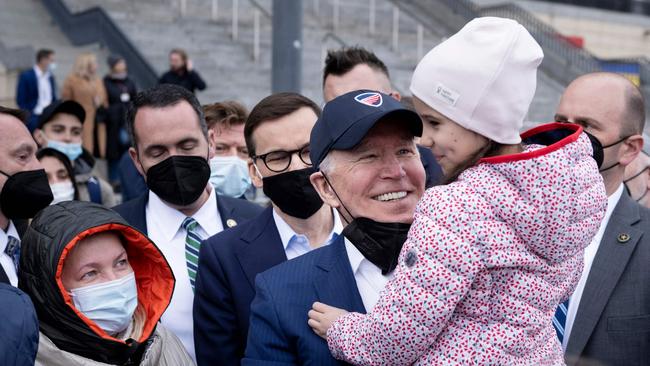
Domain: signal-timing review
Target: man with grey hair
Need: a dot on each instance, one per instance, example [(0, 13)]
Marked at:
[(368, 168), (171, 150)]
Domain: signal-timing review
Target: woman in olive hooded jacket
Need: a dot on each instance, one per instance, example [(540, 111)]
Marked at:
[(75, 323)]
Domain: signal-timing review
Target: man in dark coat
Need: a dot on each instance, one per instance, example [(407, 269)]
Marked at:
[(171, 150), (181, 72)]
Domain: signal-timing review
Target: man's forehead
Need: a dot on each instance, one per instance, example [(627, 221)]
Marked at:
[(13, 130)]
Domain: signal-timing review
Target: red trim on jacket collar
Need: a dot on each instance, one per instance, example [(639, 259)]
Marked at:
[(153, 276), (539, 152)]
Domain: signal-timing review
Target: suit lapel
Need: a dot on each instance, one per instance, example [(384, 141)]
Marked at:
[(3, 276), (264, 247), (335, 285), (609, 263)]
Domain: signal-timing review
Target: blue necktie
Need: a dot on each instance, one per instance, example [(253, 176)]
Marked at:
[(559, 320), (13, 250)]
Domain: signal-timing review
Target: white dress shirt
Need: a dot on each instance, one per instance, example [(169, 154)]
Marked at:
[(165, 230), (44, 90), (297, 244), (590, 253), (368, 276), (5, 260)]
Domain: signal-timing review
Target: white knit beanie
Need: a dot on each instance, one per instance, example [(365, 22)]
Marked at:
[(482, 77)]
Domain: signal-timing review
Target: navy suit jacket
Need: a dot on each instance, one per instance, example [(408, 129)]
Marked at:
[(27, 90), (612, 325), (134, 211), (278, 333), (228, 264)]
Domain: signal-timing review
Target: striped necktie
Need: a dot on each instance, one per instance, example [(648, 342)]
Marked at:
[(13, 250), (192, 246), (559, 320)]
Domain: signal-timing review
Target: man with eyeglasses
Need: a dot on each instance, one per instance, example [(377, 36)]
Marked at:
[(637, 179), (277, 135), (607, 318)]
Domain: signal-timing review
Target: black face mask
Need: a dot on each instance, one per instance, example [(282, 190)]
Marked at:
[(378, 242), (24, 194), (599, 150), (179, 180), (293, 193)]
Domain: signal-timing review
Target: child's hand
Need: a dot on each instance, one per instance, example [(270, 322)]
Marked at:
[(322, 316)]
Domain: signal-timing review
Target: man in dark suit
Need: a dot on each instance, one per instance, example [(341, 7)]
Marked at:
[(24, 189), (353, 68), (369, 169), (607, 319), (171, 150), (36, 88), (297, 222)]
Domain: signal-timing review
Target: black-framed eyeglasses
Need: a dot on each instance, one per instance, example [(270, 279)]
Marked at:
[(279, 161)]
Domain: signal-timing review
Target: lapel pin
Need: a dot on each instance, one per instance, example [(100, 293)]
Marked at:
[(233, 223), (623, 238)]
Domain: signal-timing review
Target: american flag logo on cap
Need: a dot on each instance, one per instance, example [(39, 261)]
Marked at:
[(369, 99)]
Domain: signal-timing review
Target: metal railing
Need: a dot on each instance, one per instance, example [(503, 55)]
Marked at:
[(562, 61), (259, 11), (95, 26)]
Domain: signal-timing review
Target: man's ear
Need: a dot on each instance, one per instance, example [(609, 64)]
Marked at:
[(211, 143), (324, 190), (134, 157), (39, 138), (395, 94), (633, 146), (254, 174)]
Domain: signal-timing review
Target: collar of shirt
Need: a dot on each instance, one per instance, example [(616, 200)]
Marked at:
[(612, 201), (355, 256), (4, 236), (589, 255), (170, 219), (40, 73), (286, 232)]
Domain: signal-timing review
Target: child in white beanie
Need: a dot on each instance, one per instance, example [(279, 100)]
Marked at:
[(491, 254)]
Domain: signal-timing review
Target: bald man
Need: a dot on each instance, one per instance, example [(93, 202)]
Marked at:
[(637, 179), (607, 319)]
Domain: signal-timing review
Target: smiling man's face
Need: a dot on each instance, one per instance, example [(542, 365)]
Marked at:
[(382, 178)]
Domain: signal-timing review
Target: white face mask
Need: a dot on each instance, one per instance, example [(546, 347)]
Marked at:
[(109, 304), (63, 191), (229, 176)]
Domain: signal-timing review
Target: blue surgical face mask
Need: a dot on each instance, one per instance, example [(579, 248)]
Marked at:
[(109, 304), (229, 175), (71, 150)]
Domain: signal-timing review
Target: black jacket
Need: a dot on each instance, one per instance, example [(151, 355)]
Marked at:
[(190, 80), (116, 114), (51, 235)]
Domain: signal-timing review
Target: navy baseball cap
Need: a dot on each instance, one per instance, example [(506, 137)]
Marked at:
[(62, 106), (346, 120)]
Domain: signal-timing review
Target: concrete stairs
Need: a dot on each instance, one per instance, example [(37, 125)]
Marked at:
[(27, 23), (156, 26)]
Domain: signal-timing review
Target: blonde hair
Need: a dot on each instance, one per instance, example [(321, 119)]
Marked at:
[(82, 65)]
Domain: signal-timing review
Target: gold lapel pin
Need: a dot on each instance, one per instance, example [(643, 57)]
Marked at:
[(623, 238), (233, 223)]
